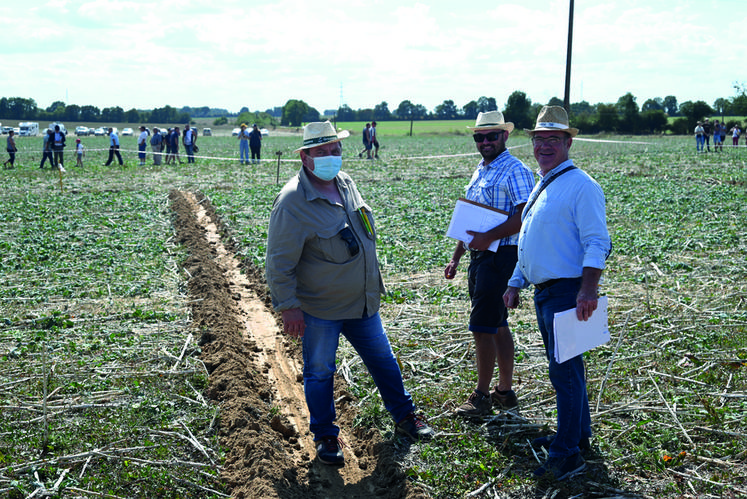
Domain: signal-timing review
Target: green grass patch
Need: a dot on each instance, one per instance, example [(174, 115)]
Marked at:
[(94, 305)]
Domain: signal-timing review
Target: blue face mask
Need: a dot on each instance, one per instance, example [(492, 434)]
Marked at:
[(327, 167)]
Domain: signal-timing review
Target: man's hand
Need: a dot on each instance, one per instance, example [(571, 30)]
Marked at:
[(480, 240), (511, 297), (451, 269), (586, 304), (293, 323)]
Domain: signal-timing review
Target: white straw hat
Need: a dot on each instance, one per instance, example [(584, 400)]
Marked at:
[(491, 120), (319, 133), (553, 119)]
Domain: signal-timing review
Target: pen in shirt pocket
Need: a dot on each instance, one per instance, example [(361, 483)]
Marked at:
[(366, 221)]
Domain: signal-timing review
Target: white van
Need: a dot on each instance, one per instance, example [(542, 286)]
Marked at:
[(28, 129), (62, 127)]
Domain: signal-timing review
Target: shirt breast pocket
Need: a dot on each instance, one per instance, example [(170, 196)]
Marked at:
[(337, 245)]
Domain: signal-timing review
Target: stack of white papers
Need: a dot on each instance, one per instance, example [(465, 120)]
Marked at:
[(574, 337), (477, 217)]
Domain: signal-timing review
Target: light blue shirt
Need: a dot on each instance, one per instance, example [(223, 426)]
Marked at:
[(564, 231), (113, 139), (503, 184)]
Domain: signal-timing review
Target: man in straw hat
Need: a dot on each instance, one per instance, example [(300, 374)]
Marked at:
[(324, 278), (563, 245), (503, 182), (243, 137)]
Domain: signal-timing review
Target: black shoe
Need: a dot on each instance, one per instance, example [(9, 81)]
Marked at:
[(561, 467), (415, 427), (584, 445), (329, 450)]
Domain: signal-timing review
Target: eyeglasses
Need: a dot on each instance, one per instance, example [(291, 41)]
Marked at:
[(552, 141), (492, 136), (347, 235)]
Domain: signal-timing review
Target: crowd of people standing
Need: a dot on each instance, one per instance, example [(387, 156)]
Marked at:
[(54, 143), (704, 130)]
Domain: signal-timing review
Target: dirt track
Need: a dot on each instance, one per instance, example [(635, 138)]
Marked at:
[(255, 376)]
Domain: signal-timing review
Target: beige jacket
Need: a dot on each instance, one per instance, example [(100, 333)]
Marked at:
[(309, 265)]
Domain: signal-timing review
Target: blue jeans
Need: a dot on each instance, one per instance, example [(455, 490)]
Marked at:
[(190, 153), (574, 420), (367, 336), (699, 142), (243, 151)]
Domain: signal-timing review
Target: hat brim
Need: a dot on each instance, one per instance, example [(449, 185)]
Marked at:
[(340, 136), (570, 131), (508, 126)]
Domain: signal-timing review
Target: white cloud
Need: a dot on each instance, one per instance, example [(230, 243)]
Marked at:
[(236, 53)]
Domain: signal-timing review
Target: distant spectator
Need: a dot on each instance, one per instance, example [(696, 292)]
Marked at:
[(47, 150), (156, 143), (58, 145), (723, 134), (113, 148), (243, 145), (142, 143), (174, 142), (707, 131), (735, 133), (79, 149), (699, 137), (255, 143), (189, 143), (717, 141), (167, 141), (374, 139), (366, 142), (11, 148)]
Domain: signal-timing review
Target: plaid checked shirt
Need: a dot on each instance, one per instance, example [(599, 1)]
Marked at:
[(503, 184)]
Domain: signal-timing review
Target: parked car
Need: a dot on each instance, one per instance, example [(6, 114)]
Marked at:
[(264, 131), (100, 131), (82, 131), (235, 132), (59, 124), (206, 132), (6, 129), (126, 132)]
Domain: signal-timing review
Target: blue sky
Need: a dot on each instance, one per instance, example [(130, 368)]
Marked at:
[(259, 54)]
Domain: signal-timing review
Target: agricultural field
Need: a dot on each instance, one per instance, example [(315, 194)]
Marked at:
[(134, 359)]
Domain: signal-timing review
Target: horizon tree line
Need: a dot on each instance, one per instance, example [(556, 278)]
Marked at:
[(624, 116)]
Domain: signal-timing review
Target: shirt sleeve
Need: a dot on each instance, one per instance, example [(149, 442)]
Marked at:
[(591, 219), (517, 279), (285, 242), (520, 186)]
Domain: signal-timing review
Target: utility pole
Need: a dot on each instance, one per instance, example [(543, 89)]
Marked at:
[(567, 95)]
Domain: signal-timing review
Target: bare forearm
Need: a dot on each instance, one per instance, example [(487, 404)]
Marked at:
[(586, 300)]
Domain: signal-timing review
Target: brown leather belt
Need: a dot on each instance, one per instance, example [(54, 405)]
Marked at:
[(544, 285)]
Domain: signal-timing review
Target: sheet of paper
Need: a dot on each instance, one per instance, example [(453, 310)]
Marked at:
[(476, 217), (574, 337)]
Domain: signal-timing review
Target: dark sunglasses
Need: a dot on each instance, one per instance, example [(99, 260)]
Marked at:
[(492, 136), (347, 235)]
